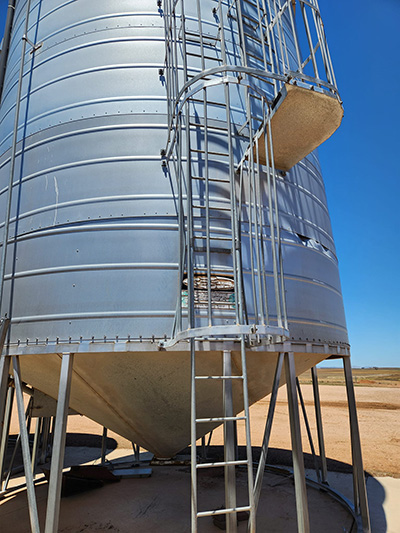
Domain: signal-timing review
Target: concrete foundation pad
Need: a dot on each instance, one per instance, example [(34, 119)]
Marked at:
[(162, 502), (383, 498)]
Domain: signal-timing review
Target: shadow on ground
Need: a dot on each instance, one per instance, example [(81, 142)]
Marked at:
[(278, 493)]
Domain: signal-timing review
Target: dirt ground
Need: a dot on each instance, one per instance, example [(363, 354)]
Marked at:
[(163, 509), (378, 415), (362, 377), (379, 421)]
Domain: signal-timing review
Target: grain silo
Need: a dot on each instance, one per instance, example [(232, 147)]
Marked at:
[(166, 240)]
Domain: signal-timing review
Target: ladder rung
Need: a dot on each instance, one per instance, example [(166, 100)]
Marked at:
[(200, 269), (214, 250), (216, 180), (210, 127), (253, 37), (220, 419), (223, 463), (209, 103), (223, 511), (209, 58), (211, 208), (252, 3), (255, 56), (204, 237), (191, 76), (209, 152), (209, 37), (219, 377)]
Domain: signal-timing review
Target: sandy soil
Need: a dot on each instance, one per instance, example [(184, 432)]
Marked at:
[(364, 377), (379, 420), (113, 510)]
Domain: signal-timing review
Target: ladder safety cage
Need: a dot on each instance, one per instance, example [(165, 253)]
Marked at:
[(228, 64), (225, 70), (219, 105)]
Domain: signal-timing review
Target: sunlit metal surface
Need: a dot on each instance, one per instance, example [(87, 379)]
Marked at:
[(94, 215)]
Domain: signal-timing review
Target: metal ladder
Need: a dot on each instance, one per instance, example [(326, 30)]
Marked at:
[(230, 461), (209, 224), (202, 239), (211, 200)]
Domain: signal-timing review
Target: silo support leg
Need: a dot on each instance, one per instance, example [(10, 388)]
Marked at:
[(104, 446), (358, 468), (57, 460), (5, 433), (320, 430), (26, 454), (4, 370), (308, 430), (303, 525), (35, 448), (45, 439), (229, 448), (267, 432)]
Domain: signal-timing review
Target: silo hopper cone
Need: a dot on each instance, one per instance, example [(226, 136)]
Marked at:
[(145, 396)]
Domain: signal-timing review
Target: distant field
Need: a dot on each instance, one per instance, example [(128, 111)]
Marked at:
[(363, 377)]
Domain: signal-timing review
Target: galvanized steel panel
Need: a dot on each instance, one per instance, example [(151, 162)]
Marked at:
[(95, 215)]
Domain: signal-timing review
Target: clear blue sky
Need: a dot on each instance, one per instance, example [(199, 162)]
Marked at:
[(362, 172)]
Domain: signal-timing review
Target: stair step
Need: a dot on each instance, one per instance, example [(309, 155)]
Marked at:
[(223, 463)]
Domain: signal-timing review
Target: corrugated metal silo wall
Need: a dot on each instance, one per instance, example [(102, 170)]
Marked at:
[(96, 249)]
